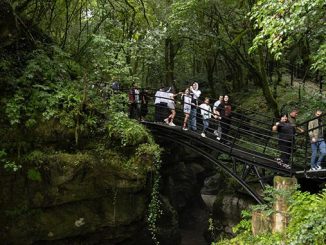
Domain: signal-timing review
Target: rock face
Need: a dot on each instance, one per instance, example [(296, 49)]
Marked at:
[(227, 211), (224, 205), (73, 197)]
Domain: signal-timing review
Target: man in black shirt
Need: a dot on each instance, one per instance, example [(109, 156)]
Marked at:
[(286, 133)]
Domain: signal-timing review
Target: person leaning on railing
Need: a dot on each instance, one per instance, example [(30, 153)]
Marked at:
[(316, 134), (286, 133)]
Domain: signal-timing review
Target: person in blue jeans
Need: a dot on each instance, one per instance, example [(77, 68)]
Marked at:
[(206, 113), (195, 93), (316, 134)]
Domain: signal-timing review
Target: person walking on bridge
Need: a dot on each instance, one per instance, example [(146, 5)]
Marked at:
[(218, 131), (206, 113), (225, 110), (316, 134), (195, 93), (171, 105), (186, 98)]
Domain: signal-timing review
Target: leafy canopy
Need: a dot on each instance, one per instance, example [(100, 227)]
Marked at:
[(284, 23)]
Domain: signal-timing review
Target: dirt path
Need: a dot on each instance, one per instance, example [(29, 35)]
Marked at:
[(308, 86)]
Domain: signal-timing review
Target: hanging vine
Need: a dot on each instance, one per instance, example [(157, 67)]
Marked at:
[(154, 209)]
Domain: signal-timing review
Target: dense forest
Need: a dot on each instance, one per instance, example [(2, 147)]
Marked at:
[(59, 58), (229, 46)]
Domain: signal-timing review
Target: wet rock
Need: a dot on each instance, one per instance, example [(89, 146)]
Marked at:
[(80, 197)]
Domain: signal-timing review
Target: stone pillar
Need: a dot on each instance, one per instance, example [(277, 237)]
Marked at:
[(260, 223), (280, 217)]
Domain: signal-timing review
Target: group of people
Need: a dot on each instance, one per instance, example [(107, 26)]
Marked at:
[(221, 112), (287, 129)]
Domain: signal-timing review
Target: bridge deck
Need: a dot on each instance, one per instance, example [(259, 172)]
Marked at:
[(236, 151)]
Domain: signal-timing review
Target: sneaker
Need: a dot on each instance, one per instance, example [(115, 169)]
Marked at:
[(318, 168), (312, 169), (185, 129), (172, 124), (218, 138), (166, 120), (203, 135)]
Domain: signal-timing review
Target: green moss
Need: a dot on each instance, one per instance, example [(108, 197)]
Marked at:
[(127, 132)]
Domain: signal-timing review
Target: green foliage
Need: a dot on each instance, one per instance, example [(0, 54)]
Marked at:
[(128, 132), (319, 59), (108, 62), (308, 224), (10, 166), (148, 149), (14, 108), (34, 175), (43, 90), (270, 195), (51, 87), (307, 221), (284, 23), (118, 103), (154, 207), (36, 157)]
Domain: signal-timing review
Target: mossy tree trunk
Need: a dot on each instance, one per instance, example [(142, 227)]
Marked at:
[(263, 82)]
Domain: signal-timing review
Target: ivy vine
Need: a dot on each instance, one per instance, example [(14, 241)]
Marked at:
[(154, 209)]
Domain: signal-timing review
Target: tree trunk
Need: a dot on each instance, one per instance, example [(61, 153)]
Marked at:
[(169, 61), (8, 27), (210, 67), (263, 81)]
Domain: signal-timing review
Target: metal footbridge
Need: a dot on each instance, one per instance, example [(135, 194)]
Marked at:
[(249, 150)]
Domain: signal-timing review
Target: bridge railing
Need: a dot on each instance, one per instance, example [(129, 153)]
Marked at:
[(244, 132)]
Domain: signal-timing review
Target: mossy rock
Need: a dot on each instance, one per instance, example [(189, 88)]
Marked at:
[(111, 212), (77, 194)]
